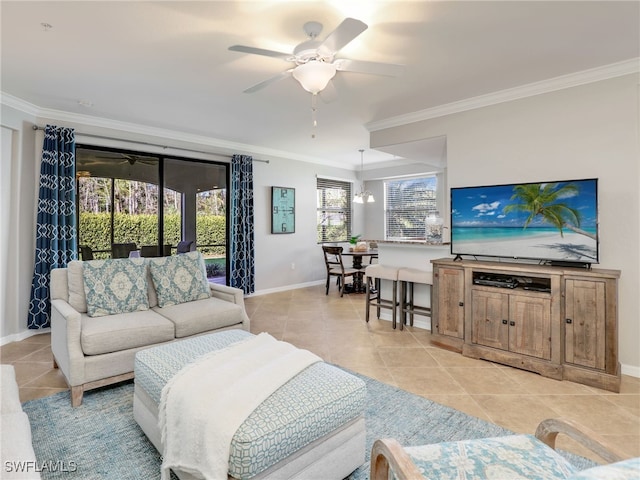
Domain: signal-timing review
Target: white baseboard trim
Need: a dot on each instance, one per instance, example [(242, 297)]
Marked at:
[(418, 321), (287, 287), (630, 370), (16, 337)]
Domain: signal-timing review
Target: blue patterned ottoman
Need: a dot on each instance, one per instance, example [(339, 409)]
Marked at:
[(312, 427)]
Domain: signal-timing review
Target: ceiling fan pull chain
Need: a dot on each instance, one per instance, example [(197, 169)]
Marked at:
[(314, 118)]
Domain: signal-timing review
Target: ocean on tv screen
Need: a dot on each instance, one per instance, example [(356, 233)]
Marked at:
[(547, 221)]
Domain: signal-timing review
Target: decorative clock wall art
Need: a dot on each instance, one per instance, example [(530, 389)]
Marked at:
[(283, 210)]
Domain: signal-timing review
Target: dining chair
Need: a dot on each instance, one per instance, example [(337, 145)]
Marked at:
[(335, 267), (122, 250), (184, 246)]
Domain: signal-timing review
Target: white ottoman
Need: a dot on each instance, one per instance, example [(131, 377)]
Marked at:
[(310, 428)]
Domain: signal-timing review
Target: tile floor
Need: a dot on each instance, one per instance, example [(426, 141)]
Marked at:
[(334, 328)]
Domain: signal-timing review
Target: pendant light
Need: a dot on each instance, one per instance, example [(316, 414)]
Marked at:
[(364, 195)]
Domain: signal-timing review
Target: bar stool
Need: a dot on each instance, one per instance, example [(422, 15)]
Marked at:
[(408, 277), (379, 272)]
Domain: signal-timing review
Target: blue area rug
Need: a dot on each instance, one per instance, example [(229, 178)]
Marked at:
[(101, 440)]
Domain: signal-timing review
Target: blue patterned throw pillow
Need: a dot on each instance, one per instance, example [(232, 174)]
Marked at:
[(115, 286), (179, 278)]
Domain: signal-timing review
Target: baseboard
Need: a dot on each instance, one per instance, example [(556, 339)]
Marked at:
[(16, 337), (287, 287), (418, 321), (630, 370)]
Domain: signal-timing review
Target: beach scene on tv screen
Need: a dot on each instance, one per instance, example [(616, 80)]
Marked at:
[(548, 221)]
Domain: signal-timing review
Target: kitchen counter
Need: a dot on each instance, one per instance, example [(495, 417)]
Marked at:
[(415, 241)]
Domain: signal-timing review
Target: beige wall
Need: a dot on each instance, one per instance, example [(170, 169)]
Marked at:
[(19, 190), (581, 132)]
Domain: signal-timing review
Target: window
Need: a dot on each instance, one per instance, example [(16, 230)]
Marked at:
[(407, 203), (334, 210)]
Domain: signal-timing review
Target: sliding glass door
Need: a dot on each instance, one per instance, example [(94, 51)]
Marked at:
[(196, 199), (149, 204)]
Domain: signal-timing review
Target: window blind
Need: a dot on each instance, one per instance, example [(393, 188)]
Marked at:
[(407, 203), (334, 210)]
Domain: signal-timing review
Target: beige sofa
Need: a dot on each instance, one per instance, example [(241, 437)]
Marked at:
[(16, 451), (93, 347)]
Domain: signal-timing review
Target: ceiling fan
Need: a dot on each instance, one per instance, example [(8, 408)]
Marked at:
[(315, 61), (115, 158)]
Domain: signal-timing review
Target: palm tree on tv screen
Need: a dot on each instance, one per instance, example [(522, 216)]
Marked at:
[(544, 200)]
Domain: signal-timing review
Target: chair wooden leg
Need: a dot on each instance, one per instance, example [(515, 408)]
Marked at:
[(403, 303), (378, 298), (367, 307), (327, 285), (394, 304), (342, 286), (411, 304)]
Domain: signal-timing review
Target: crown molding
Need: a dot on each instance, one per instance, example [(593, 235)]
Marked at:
[(605, 72), (18, 104), (165, 138)]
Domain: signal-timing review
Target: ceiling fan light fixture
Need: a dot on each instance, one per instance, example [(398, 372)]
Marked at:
[(314, 75)]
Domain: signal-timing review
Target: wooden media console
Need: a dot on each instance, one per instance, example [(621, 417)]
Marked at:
[(556, 321)]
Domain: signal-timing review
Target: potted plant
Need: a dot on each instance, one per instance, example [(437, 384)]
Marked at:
[(353, 241)]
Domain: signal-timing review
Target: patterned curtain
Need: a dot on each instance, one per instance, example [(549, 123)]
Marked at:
[(242, 248), (56, 227)]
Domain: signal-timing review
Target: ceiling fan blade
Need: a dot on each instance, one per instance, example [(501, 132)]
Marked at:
[(374, 68), (349, 29), (329, 94), (260, 51), (268, 81)]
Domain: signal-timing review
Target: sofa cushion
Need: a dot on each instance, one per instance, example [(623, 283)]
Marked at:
[(9, 393), (75, 284), (179, 278), (124, 331), (115, 286), (202, 315)]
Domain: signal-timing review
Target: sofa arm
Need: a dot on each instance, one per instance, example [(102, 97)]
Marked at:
[(17, 457), (233, 295), (66, 328)]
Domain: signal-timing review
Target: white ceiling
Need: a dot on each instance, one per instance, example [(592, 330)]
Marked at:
[(167, 65)]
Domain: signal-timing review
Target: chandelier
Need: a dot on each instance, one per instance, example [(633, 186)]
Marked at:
[(364, 195)]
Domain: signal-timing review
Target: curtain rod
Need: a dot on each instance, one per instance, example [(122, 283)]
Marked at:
[(37, 127)]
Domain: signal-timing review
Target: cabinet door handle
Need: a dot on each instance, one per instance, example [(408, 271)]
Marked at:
[(512, 323), (461, 304), (504, 322), (568, 320)]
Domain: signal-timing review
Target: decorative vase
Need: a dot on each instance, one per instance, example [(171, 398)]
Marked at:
[(433, 226)]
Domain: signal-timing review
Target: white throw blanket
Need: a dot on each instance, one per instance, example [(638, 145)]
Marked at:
[(204, 404)]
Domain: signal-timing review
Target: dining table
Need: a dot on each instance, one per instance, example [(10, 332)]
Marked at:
[(357, 256)]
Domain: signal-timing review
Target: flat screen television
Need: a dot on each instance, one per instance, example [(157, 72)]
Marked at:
[(546, 221)]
